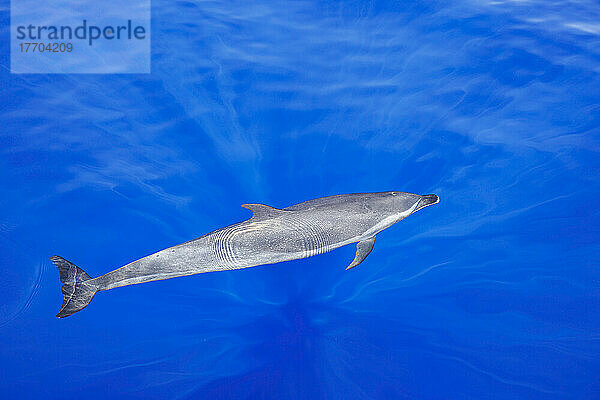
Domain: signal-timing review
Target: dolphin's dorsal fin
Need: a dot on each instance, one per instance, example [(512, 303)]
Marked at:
[(363, 248), (261, 211)]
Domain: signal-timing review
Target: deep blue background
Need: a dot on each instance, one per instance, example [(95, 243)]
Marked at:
[(492, 294)]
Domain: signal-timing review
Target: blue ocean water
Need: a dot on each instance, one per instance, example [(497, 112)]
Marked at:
[(492, 294)]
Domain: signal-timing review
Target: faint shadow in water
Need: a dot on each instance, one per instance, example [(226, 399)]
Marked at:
[(284, 343), (305, 351)]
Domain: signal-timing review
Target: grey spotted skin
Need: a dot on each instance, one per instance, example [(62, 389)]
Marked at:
[(271, 236)]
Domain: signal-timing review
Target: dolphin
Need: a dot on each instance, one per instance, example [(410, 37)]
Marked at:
[(270, 236)]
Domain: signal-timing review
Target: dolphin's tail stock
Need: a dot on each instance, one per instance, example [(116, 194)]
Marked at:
[(77, 290)]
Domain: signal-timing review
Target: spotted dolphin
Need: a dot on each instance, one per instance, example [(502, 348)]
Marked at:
[(270, 236)]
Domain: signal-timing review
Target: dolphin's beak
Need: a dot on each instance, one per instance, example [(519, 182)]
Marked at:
[(427, 200)]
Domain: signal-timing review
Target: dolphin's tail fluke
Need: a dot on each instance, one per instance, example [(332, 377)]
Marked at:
[(77, 290)]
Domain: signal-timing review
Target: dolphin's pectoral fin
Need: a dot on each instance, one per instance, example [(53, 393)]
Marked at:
[(363, 248), (261, 211)]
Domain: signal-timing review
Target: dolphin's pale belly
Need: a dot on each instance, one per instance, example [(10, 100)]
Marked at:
[(242, 245), (264, 242)]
